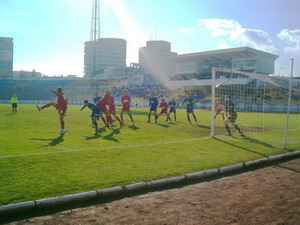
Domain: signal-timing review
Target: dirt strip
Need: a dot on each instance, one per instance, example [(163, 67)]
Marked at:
[(269, 195)]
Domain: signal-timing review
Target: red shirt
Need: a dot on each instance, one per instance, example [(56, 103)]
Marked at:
[(164, 105), (125, 100), (61, 98), (107, 100)]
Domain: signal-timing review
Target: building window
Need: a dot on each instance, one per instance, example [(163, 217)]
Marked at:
[(238, 64), (251, 63)]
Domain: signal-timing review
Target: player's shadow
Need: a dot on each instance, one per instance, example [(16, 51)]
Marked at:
[(133, 127), (110, 137), (9, 114), (240, 147), (54, 141), (163, 125), (95, 136), (201, 126), (102, 129)]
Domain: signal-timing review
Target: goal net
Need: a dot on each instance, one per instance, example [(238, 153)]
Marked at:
[(255, 105)]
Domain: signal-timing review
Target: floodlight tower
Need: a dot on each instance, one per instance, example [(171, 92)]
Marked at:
[(95, 31), (95, 22)]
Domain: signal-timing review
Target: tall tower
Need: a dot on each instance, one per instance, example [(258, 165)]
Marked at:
[(95, 22)]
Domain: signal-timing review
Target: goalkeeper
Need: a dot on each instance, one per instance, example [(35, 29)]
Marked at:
[(231, 116)]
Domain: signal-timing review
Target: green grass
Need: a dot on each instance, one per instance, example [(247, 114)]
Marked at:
[(121, 156)]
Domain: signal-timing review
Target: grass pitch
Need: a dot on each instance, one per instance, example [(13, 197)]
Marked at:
[(36, 162)]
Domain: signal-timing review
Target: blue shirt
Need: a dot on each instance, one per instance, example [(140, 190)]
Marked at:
[(172, 104), (94, 108), (189, 103), (96, 99), (153, 102)]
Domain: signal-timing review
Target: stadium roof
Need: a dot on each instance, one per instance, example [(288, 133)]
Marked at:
[(222, 54)]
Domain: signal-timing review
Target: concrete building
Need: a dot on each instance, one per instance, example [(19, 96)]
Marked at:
[(197, 67), (243, 59), (153, 59), (6, 57), (108, 52)]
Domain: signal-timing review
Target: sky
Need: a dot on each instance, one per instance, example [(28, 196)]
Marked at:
[(49, 36)]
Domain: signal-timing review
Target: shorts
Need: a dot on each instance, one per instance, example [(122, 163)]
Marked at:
[(126, 108), (153, 108), (189, 110), (172, 110), (232, 117), (112, 110), (163, 111), (14, 105), (95, 115), (62, 109)]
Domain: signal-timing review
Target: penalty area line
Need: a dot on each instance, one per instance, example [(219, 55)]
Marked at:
[(110, 147)]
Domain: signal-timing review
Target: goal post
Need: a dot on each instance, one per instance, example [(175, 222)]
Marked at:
[(262, 104)]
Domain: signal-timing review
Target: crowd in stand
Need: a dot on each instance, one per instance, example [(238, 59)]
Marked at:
[(144, 91)]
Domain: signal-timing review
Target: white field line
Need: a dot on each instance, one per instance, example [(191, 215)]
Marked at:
[(94, 149)]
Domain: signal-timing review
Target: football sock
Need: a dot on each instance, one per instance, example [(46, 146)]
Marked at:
[(148, 117), (109, 120), (188, 117), (227, 128), (46, 106), (236, 127), (174, 117), (131, 118), (96, 126), (104, 121), (195, 118), (62, 124), (119, 120), (122, 117)]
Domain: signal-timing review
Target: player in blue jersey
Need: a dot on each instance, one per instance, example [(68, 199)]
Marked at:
[(95, 112), (189, 108), (172, 109), (96, 99), (153, 103)]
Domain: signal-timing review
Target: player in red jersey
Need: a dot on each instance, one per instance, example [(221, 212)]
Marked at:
[(126, 100), (107, 105), (219, 108), (164, 110), (61, 106)]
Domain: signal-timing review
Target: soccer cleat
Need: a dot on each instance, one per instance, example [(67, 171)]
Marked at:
[(112, 125), (38, 107), (132, 124), (228, 134), (148, 121)]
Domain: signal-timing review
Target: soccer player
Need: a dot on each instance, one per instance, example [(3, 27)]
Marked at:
[(14, 103), (61, 106), (231, 116), (172, 109), (153, 103), (96, 99), (219, 109), (95, 112), (107, 105), (164, 110), (126, 100), (189, 108)]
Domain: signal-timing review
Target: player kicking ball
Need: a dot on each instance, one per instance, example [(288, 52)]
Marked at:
[(95, 113), (126, 100), (153, 103), (231, 116), (61, 106), (164, 110), (189, 108)]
